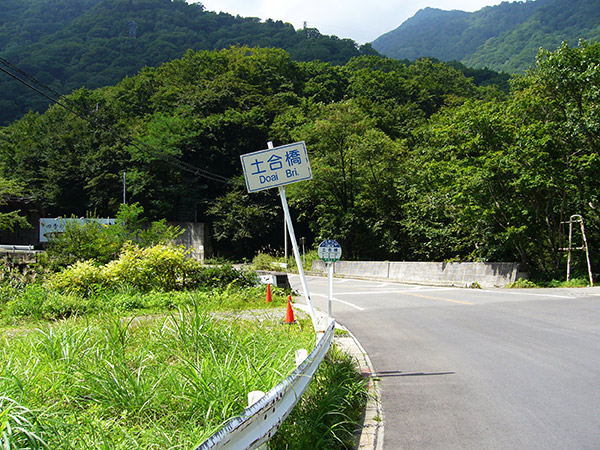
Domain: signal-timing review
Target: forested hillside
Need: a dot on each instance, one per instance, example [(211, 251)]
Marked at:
[(68, 44), (411, 161), (505, 38)]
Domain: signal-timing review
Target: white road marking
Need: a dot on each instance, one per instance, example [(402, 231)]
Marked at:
[(395, 291), (521, 292), (352, 305)]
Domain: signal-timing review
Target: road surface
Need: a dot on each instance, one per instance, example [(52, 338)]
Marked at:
[(474, 368)]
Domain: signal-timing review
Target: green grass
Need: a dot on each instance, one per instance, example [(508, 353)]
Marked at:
[(573, 282), (136, 370), (143, 382), (36, 301), (121, 366), (326, 416)]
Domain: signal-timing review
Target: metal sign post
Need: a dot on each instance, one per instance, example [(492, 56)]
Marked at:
[(290, 225), (276, 167), (330, 252)]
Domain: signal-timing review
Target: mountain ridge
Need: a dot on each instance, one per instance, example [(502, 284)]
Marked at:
[(68, 44), (504, 37)]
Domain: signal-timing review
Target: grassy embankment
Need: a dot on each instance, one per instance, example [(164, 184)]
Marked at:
[(115, 366)]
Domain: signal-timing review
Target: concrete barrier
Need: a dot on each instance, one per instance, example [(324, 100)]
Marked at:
[(463, 274), (279, 279)]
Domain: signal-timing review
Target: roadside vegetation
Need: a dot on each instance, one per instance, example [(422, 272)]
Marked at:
[(277, 261), (152, 350), (572, 283), (411, 161)]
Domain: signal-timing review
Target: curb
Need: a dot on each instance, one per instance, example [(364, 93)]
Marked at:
[(369, 433)]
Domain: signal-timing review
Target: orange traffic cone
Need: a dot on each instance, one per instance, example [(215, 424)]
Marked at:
[(289, 315), (269, 297)]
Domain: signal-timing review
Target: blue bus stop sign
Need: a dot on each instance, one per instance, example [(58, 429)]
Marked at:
[(330, 251)]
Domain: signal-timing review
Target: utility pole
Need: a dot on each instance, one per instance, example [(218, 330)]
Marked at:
[(577, 218)]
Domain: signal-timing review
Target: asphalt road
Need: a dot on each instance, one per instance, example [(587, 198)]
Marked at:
[(477, 369)]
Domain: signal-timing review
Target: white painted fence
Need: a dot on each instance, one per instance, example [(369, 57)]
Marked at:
[(259, 422)]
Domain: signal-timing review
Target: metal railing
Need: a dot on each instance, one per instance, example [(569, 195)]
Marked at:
[(259, 422)]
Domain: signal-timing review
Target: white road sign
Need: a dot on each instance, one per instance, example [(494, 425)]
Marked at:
[(49, 226), (330, 251), (277, 166)]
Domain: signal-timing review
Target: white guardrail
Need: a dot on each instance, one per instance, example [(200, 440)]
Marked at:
[(259, 422), (16, 248)]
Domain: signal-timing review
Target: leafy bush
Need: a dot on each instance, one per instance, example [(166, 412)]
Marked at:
[(522, 283), (38, 302), (156, 268), (78, 278), (573, 282), (103, 243), (263, 261), (160, 268), (81, 242), (225, 275), (27, 302)]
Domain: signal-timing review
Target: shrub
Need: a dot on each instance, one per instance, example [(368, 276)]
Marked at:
[(157, 268), (37, 302), (160, 268), (522, 283), (27, 302), (573, 282), (103, 243), (263, 261), (225, 275), (81, 242), (80, 278)]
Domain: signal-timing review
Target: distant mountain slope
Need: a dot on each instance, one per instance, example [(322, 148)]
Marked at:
[(505, 37), (68, 44)]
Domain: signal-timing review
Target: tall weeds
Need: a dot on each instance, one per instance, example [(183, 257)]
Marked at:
[(145, 382)]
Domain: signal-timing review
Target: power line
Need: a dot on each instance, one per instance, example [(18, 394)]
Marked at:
[(54, 96)]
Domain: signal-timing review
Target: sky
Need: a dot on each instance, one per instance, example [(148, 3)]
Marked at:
[(360, 20)]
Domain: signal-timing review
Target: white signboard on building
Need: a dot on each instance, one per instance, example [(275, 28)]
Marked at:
[(51, 226), (275, 167)]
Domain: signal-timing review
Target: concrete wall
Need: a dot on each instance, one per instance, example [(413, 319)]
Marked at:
[(463, 274), (194, 237)]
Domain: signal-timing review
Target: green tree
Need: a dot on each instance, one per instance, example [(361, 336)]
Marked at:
[(496, 180), (11, 219), (351, 196), (245, 223), (557, 104)]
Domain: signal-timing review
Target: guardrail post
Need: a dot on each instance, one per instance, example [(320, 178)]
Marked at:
[(253, 397), (301, 356)]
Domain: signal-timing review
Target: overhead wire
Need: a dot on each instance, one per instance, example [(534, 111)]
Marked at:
[(50, 94)]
